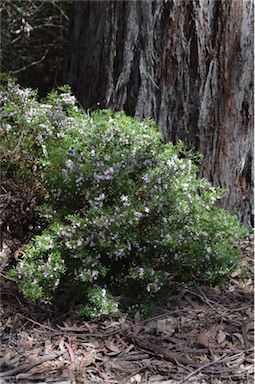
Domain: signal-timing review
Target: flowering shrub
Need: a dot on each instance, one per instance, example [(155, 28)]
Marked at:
[(125, 212)]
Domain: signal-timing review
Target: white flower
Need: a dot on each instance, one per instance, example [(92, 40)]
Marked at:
[(69, 164), (141, 272)]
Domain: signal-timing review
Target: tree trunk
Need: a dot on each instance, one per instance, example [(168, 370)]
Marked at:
[(187, 64)]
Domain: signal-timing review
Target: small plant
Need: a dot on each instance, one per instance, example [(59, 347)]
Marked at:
[(124, 212)]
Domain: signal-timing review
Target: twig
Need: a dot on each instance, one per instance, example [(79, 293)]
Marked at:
[(43, 326), (8, 277), (159, 351), (14, 151), (133, 357), (168, 312), (31, 377), (205, 350), (200, 369), (31, 64), (221, 358), (26, 367), (60, 10), (203, 298), (117, 336), (244, 333)]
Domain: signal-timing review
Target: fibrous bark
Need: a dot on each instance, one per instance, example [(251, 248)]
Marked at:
[(187, 64)]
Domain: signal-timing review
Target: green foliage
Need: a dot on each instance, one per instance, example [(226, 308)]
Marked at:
[(98, 303), (125, 212)]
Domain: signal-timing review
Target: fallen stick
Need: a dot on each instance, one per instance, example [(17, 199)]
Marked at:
[(221, 358), (173, 358), (26, 367), (155, 349), (200, 369)]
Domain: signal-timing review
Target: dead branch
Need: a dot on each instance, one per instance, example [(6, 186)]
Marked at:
[(26, 367)]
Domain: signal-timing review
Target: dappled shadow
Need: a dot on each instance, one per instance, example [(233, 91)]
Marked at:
[(199, 332)]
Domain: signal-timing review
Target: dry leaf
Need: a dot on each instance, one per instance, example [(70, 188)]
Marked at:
[(136, 379), (204, 359), (166, 326), (221, 336), (75, 328), (150, 326), (249, 326), (91, 345), (62, 344), (179, 340), (82, 380), (239, 337), (8, 356), (30, 358), (236, 362), (48, 347), (107, 378), (112, 347), (213, 331), (47, 366), (114, 324), (19, 251), (236, 273), (202, 339), (87, 359), (189, 299), (71, 352), (25, 341)]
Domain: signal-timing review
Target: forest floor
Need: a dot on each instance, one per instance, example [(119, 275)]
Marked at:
[(198, 334)]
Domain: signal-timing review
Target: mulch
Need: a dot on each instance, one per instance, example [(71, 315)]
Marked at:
[(199, 334)]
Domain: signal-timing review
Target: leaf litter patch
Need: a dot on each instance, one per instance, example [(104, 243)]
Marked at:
[(198, 334)]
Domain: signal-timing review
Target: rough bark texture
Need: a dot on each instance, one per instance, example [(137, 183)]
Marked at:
[(188, 64)]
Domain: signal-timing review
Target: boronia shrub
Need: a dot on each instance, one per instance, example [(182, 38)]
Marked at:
[(125, 211)]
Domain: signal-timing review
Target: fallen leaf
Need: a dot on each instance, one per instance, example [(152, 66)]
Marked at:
[(189, 299), (112, 347), (8, 356), (75, 328), (71, 352), (48, 347), (202, 339), (204, 359), (107, 378), (47, 366), (221, 336), (30, 358), (89, 358), (117, 336), (62, 344), (82, 380), (239, 337), (166, 326), (25, 341), (136, 379), (114, 324), (91, 345), (249, 326), (213, 331), (236, 362), (179, 339)]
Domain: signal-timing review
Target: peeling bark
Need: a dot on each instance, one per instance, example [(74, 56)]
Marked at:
[(187, 64)]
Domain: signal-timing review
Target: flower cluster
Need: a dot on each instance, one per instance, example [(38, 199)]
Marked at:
[(125, 212)]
